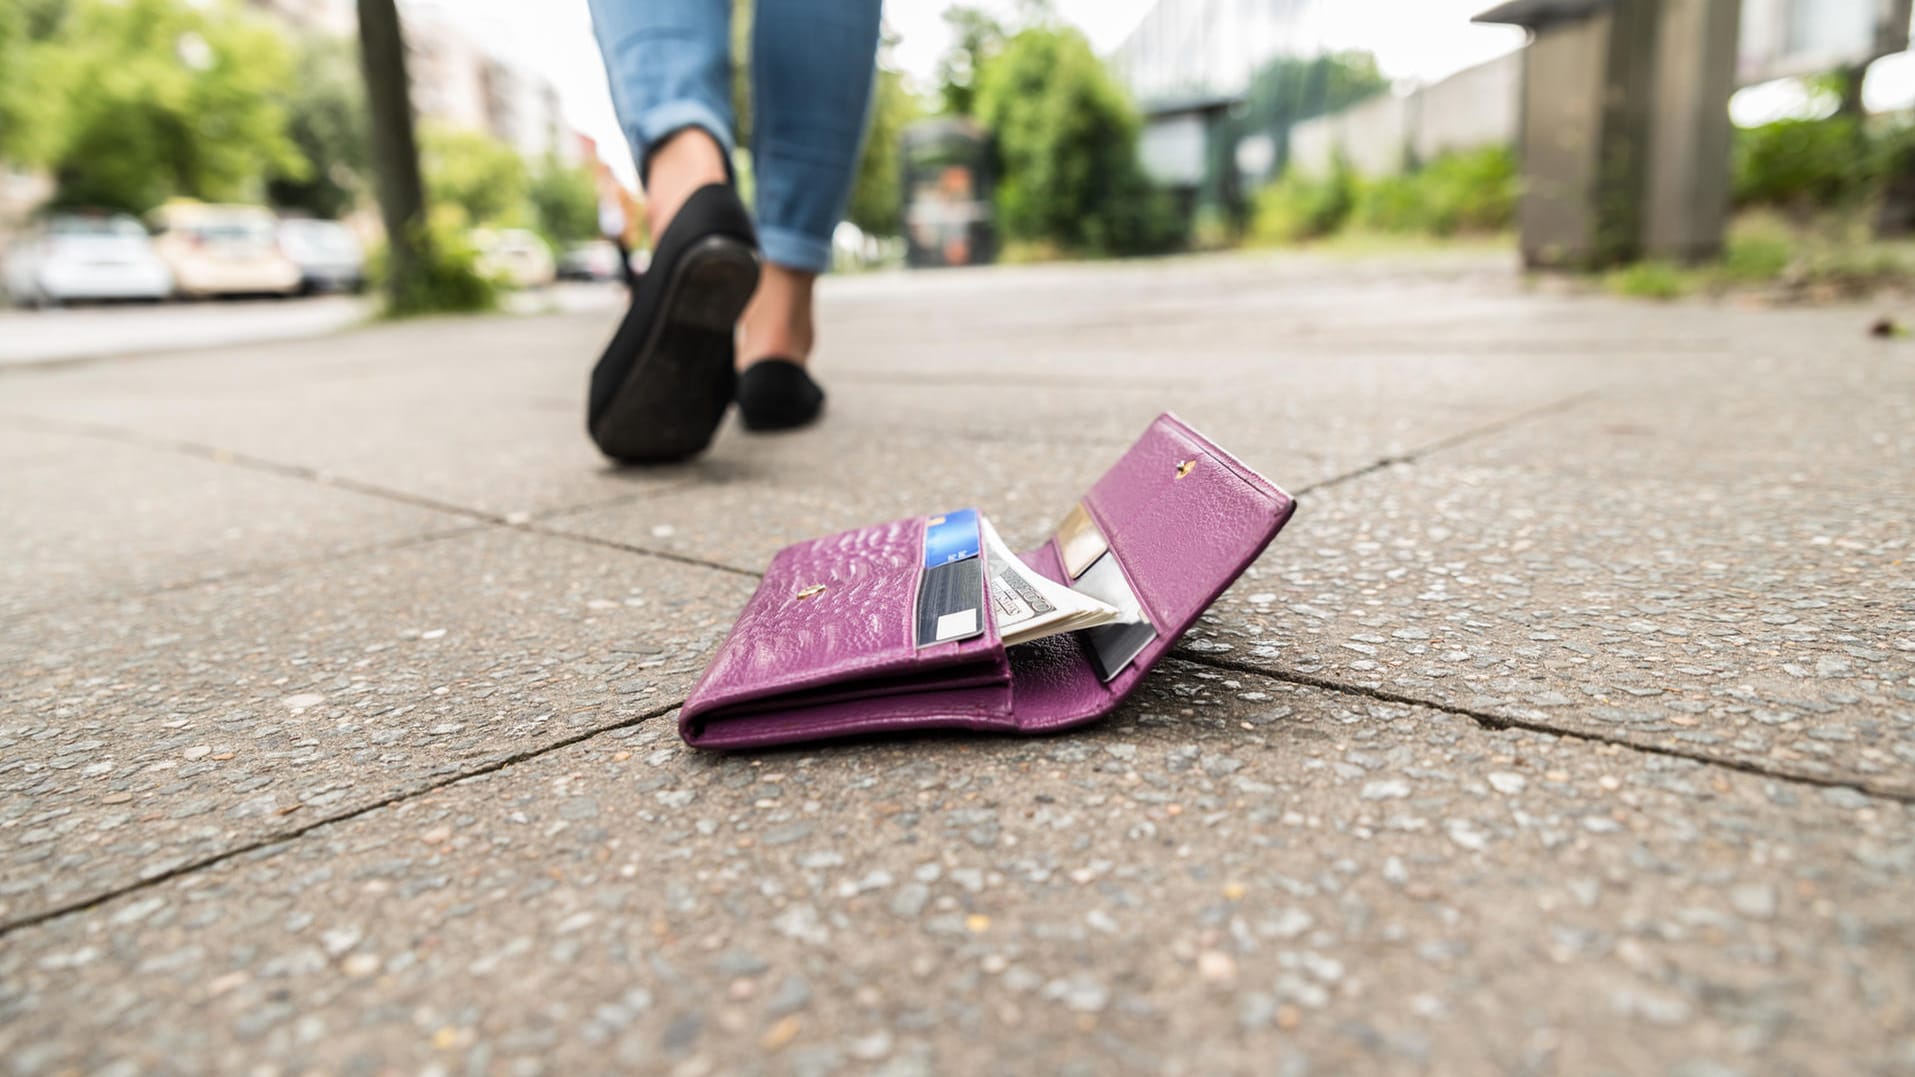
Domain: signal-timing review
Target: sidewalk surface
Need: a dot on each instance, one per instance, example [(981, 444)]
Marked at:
[(1569, 727)]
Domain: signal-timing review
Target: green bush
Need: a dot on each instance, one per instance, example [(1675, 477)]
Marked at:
[(1650, 280), (448, 282), (1066, 137), (1298, 207), (1470, 191), (1803, 163), (1392, 204), (1757, 250)]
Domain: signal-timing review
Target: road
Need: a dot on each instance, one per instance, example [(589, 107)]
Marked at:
[(1568, 728), (100, 330)]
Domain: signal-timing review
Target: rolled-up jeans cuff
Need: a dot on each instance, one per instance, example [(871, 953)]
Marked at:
[(793, 250), (655, 125)]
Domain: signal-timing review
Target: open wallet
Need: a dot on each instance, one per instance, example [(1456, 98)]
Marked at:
[(895, 626)]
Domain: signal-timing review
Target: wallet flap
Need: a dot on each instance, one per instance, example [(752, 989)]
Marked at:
[(1184, 518)]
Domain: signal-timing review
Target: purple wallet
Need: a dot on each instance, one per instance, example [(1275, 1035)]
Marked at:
[(827, 648)]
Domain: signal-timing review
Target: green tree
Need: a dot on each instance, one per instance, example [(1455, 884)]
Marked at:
[(326, 110), (160, 98), (1066, 138), (29, 119), (485, 178), (977, 36), (564, 201), (741, 12), (877, 195)]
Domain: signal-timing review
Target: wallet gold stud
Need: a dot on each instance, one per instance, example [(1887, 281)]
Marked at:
[(813, 591), (1186, 467)]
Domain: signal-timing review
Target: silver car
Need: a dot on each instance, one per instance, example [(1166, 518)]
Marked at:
[(85, 256), (329, 256)]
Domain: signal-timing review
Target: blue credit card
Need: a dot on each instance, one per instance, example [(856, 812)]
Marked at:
[(950, 537)]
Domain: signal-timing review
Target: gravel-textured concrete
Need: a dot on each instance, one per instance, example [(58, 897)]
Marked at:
[(1235, 874), (336, 678), (143, 735), (90, 521), (1722, 575)]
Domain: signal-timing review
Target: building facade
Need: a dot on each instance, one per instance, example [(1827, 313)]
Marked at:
[(455, 81)]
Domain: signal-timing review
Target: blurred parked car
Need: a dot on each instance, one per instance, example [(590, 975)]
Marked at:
[(328, 255), (85, 256), (515, 256), (224, 250), (597, 260)]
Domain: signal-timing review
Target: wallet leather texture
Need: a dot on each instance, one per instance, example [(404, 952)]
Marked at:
[(825, 648)]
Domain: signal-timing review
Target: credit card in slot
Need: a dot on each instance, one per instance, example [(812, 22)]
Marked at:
[(951, 590), (1079, 541), (951, 602), (1114, 646), (950, 537)]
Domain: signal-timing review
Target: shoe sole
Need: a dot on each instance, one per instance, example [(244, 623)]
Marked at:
[(676, 393)]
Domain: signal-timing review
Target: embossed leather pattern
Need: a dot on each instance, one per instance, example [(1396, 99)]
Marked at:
[(1183, 517), (831, 622)]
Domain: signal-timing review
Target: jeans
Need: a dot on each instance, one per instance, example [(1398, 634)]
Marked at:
[(812, 63)]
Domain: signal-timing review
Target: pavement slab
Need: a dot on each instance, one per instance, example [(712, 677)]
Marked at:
[(484, 416), (772, 493), (89, 520), (1233, 874), (139, 737), (1752, 619)]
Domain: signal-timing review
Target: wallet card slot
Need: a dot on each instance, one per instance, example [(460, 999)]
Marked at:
[(833, 624)]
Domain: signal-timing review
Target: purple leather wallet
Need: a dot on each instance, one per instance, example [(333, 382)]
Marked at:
[(827, 648)]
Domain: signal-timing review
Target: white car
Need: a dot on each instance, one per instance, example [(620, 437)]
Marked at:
[(514, 256), (328, 255), (597, 260), (78, 256)]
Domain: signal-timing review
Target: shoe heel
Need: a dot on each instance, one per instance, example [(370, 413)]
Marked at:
[(718, 276)]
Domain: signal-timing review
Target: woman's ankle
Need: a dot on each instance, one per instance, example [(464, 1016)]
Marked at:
[(688, 159), (779, 323)]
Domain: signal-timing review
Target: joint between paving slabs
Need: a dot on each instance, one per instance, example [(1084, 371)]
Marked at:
[(284, 837), (527, 522), (1492, 721), (422, 539)]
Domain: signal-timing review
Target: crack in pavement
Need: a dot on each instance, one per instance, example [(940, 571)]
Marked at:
[(1494, 721), (527, 522), (268, 841), (347, 553)]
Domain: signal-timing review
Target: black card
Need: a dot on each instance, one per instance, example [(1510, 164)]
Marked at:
[(951, 602)]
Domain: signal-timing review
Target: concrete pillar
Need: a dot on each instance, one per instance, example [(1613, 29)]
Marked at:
[(1625, 129), (1687, 203)]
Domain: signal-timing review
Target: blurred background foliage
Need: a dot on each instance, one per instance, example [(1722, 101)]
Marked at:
[(130, 103), (325, 107), (1065, 136), (139, 101)]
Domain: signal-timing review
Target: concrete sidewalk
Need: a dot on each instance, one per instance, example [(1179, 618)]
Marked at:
[(1569, 727)]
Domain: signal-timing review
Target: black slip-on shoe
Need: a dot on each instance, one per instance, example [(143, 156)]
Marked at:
[(778, 394), (662, 386)]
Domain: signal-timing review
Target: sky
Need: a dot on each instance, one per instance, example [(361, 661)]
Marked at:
[(1419, 40)]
